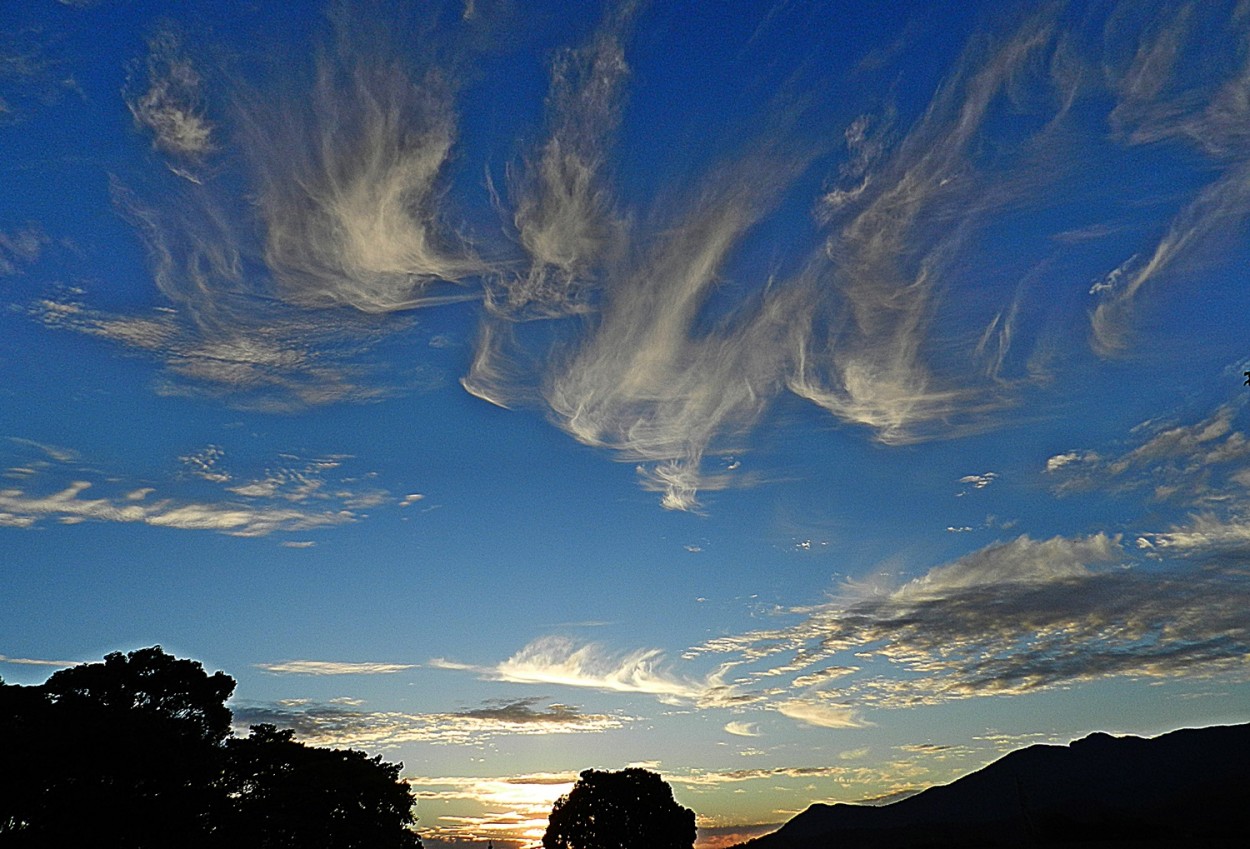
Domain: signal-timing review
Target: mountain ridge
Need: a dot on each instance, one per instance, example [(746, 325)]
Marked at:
[(1186, 785)]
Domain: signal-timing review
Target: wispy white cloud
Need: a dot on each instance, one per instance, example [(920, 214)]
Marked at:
[(978, 481), (331, 667), (1022, 561), (350, 725), (710, 778), (561, 661), (742, 729), (647, 383), (54, 452), (20, 248), (237, 519), (28, 661), (1203, 467), (821, 713), (564, 212), (275, 364), (349, 177), (557, 660), (894, 241), (58, 487), (870, 329), (658, 346), (172, 104), (657, 381), (346, 170), (1160, 100), (1203, 533), (1195, 464), (33, 72)]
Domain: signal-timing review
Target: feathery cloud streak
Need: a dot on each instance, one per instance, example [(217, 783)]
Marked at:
[(20, 248), (331, 667), (564, 213), (1161, 101), (347, 725), (350, 185), (30, 661), (560, 661), (880, 315), (878, 327), (172, 107), (55, 486), (900, 234), (276, 313)]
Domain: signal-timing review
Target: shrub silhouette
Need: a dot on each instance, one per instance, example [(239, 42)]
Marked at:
[(630, 809), (136, 753)]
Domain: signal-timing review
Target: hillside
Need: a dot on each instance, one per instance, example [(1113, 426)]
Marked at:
[(1186, 788)]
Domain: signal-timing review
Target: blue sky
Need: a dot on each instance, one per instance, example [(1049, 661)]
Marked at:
[(810, 401)]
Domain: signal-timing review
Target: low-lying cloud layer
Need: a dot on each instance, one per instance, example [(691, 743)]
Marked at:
[(1013, 617), (1010, 618), (515, 807), (345, 724)]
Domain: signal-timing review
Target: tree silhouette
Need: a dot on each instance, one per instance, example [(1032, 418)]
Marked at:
[(630, 809), (124, 753), (290, 796), (136, 753), (153, 686)]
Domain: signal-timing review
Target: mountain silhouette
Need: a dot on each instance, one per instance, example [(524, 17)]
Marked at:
[(1188, 788)]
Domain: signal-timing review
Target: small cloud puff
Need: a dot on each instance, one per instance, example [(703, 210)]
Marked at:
[(978, 481), (172, 107), (821, 713)]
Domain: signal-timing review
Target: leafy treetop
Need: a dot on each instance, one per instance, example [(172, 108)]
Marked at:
[(136, 753), (630, 809)]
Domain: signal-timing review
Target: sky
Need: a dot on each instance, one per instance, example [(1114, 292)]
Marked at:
[(809, 401)]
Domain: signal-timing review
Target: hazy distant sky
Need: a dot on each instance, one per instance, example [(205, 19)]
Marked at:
[(809, 401)]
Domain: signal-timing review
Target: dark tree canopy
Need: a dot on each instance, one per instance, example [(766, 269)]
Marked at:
[(136, 753), (292, 796), (152, 685), (630, 809)]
